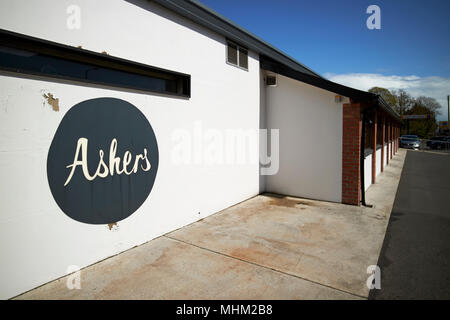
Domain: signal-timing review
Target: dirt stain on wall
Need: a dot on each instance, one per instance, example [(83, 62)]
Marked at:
[(111, 225)]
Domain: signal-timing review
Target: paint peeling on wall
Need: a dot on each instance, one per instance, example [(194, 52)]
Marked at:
[(52, 101), (113, 225)]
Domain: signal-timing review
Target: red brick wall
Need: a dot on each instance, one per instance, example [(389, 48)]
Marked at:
[(395, 139), (351, 148), (351, 144), (398, 135)]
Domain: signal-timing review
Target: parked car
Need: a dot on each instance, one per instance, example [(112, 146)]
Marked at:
[(409, 142), (440, 144), (412, 136), (430, 142)]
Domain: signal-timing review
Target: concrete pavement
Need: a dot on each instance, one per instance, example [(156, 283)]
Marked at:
[(268, 247), (415, 259)]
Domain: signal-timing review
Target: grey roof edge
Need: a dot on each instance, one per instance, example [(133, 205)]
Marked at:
[(387, 107), (201, 14)]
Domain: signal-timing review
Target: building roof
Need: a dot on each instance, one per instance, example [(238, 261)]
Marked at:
[(271, 58)]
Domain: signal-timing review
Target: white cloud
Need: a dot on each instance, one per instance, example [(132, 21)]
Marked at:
[(435, 87)]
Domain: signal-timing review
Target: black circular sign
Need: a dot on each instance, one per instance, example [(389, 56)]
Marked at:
[(102, 162)]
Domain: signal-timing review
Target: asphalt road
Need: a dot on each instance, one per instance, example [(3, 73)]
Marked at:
[(415, 258)]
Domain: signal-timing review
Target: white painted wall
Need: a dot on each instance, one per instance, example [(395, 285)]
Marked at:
[(367, 171), (262, 125), (378, 162), (385, 149), (37, 240), (310, 123)]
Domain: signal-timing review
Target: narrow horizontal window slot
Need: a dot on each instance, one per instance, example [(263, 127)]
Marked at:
[(23, 54)]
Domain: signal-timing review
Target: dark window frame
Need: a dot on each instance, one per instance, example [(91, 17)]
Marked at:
[(379, 134), (66, 53), (386, 133), (238, 51)]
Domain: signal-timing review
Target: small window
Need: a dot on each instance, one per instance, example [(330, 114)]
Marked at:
[(379, 133), (237, 55), (243, 58), (232, 54), (368, 135), (386, 132), (28, 55)]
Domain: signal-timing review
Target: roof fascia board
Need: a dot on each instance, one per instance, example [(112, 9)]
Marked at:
[(270, 65), (386, 107)]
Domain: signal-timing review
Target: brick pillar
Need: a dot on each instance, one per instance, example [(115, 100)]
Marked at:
[(396, 138), (392, 137), (391, 132), (374, 146), (383, 137), (395, 149), (395, 135), (388, 132), (351, 150)]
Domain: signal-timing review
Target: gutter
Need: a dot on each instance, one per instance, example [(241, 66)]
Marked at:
[(386, 107)]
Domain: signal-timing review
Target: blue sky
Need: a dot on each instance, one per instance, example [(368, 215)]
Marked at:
[(411, 51)]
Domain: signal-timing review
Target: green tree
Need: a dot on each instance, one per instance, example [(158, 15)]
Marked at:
[(429, 103), (399, 100), (404, 101), (387, 95), (424, 128)]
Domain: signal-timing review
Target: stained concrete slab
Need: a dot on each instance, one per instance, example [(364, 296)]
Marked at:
[(268, 247), (327, 243), (170, 269)]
